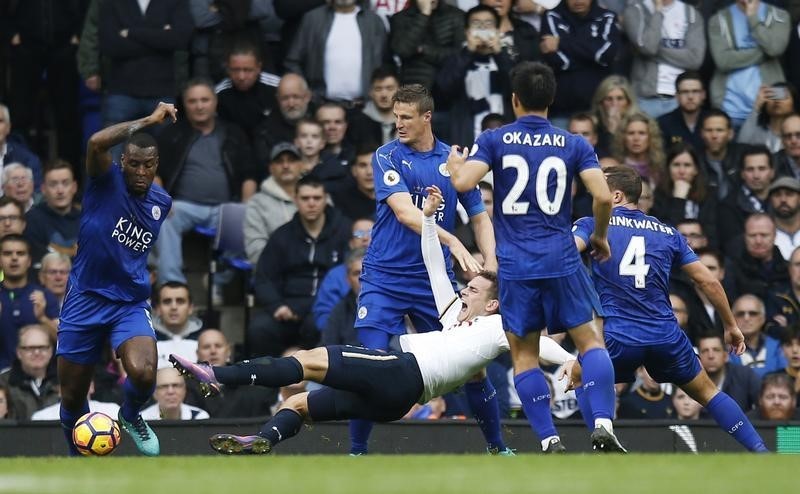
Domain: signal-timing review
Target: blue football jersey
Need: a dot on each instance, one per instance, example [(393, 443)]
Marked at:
[(117, 231), (395, 248), (533, 165), (634, 283)]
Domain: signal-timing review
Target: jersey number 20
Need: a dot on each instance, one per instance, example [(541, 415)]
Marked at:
[(632, 263), (512, 205)]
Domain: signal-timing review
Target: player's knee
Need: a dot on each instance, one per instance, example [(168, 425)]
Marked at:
[(298, 403), (314, 360), (142, 371)]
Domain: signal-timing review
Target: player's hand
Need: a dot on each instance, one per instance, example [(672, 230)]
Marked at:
[(39, 304), (162, 111), (601, 251), (456, 159), (433, 201), (735, 339), (464, 258), (572, 371), (283, 313)]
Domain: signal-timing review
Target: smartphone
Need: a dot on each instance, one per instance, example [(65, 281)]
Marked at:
[(778, 92), (484, 34)]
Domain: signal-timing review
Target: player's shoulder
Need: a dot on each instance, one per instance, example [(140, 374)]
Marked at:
[(159, 195), (390, 149), (440, 147)]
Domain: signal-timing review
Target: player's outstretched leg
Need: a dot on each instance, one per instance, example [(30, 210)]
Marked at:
[(482, 398), (726, 412), (263, 371), (283, 425)]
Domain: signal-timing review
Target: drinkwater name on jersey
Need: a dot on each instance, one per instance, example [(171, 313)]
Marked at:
[(535, 140), (132, 236), (640, 224)]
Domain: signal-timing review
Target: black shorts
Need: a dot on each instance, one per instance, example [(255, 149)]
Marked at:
[(366, 384)]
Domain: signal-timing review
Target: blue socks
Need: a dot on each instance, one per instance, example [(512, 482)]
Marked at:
[(482, 399), (583, 406), (359, 436), (263, 371), (732, 419), (68, 420), (283, 425), (534, 393), (598, 384), (134, 400)]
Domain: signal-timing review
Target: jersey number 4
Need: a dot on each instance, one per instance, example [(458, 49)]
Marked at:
[(512, 205), (632, 263)]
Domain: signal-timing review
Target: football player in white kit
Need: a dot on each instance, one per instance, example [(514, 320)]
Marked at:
[(376, 385)]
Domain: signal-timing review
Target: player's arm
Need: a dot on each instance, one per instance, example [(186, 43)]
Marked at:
[(465, 175), (408, 214), (484, 237), (432, 254), (551, 352), (708, 284), (98, 151), (582, 231), (595, 183)]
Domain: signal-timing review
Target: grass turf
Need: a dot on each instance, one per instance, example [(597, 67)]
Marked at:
[(407, 474)]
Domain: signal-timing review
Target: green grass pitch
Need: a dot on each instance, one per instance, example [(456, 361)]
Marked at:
[(407, 474)]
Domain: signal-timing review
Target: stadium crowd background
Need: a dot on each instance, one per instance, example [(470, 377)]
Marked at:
[(699, 97)]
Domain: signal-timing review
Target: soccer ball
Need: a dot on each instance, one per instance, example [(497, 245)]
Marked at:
[(96, 434)]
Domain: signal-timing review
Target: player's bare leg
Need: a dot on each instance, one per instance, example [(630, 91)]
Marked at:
[(74, 380), (597, 387), (139, 359)]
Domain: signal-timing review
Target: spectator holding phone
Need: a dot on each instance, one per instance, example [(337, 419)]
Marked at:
[(473, 82), (763, 126)]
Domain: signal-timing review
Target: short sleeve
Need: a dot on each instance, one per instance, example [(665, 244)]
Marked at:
[(585, 154), (684, 254), (472, 202), (483, 148), (583, 228), (388, 179)]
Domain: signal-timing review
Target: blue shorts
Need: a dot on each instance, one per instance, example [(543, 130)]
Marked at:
[(87, 320), (670, 362), (383, 302), (558, 304)]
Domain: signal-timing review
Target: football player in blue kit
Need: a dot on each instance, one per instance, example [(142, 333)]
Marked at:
[(394, 282), (640, 327), (109, 285), (542, 281)]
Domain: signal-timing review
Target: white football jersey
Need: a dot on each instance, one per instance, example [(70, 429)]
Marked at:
[(449, 358)]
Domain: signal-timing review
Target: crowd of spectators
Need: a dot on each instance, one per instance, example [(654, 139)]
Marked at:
[(282, 105)]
